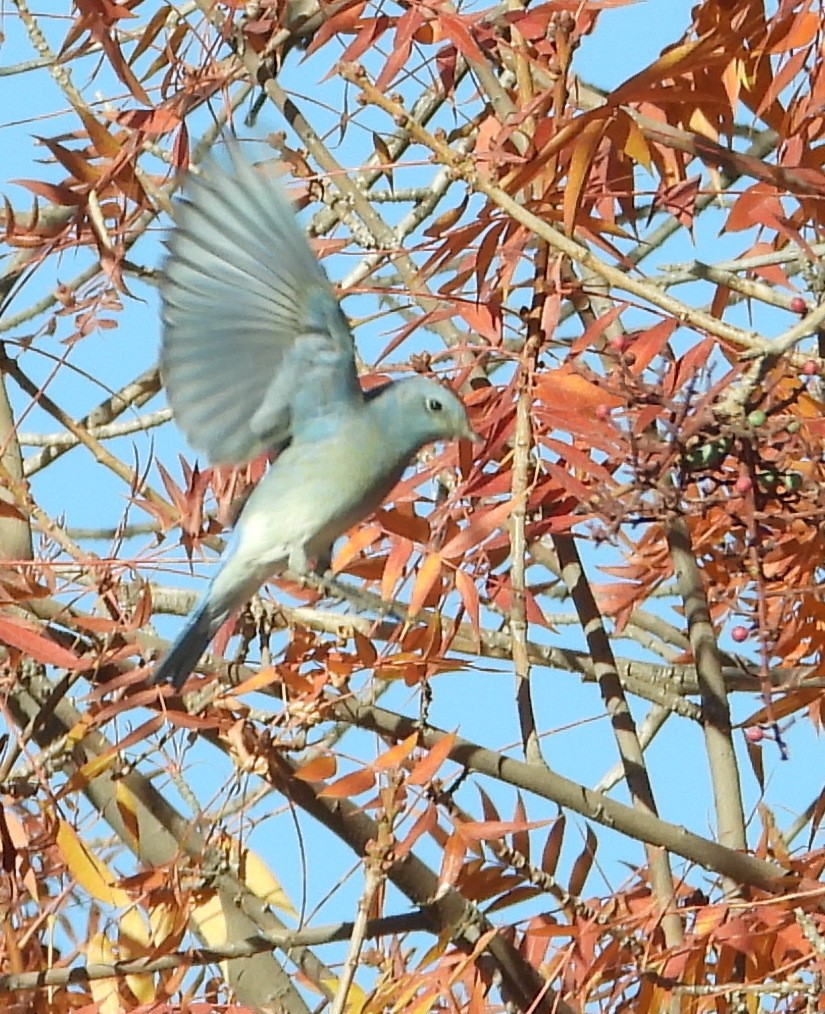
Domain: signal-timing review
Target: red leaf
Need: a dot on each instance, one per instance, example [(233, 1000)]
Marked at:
[(649, 344), (149, 121), (452, 860), (29, 640), (481, 525), (408, 25), (469, 596), (394, 567), (455, 28), (490, 830), (54, 192)]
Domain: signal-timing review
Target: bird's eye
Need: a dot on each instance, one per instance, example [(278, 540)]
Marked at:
[(434, 405)]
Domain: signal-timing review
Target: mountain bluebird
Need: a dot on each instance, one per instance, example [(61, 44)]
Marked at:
[(258, 356)]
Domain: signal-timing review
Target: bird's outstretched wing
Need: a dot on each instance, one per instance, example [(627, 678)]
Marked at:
[(254, 345)]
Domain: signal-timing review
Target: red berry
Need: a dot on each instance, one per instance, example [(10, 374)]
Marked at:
[(798, 305), (739, 634), (810, 368), (743, 485), (602, 412), (619, 343), (754, 734)]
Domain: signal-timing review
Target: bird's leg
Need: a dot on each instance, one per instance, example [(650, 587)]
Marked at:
[(298, 562), (321, 579), (363, 602), (249, 626)]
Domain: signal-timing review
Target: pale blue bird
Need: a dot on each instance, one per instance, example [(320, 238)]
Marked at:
[(258, 356)]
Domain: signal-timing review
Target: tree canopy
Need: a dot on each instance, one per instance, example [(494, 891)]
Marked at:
[(524, 749)]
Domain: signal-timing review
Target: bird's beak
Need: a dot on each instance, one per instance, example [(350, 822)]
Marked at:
[(469, 434)]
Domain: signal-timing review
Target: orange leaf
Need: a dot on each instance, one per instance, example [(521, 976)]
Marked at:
[(649, 344), (428, 573), (57, 193), (488, 806), (484, 319), (668, 65), (425, 769), (153, 28), (364, 649), (456, 30), (350, 785), (580, 162), (563, 387), (552, 847), (408, 25), (355, 544), (583, 864), (521, 839), (100, 137), (425, 824), (317, 770), (401, 521), (83, 171), (263, 678), (395, 755)]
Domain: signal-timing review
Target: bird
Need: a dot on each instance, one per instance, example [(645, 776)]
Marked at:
[(257, 356)]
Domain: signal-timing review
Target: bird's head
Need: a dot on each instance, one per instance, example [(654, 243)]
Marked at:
[(424, 411)]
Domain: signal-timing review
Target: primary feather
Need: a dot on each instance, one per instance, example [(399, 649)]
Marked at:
[(250, 320)]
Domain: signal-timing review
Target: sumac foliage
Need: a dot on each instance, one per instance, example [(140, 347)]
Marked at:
[(547, 740)]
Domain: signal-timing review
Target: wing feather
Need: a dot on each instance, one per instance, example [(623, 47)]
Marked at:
[(254, 342)]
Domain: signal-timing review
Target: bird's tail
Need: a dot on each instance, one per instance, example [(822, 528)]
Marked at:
[(190, 644)]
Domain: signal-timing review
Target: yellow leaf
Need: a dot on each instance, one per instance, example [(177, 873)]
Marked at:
[(635, 146), (163, 919), (132, 930), (133, 942), (262, 882), (79, 731), (701, 125), (127, 807), (90, 872), (104, 991), (208, 915), (356, 997), (91, 769)]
